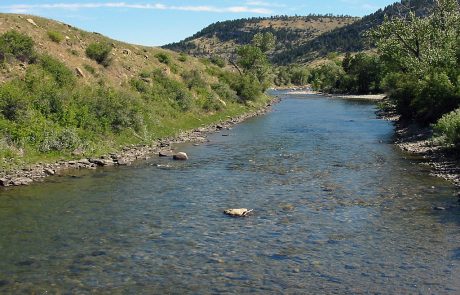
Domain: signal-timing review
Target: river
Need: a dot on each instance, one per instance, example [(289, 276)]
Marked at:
[(338, 209)]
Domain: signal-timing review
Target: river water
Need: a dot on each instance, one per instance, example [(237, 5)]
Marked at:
[(337, 209)]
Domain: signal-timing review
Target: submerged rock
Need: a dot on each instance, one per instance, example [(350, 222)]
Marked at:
[(21, 181), (165, 153), (238, 212), (180, 156)]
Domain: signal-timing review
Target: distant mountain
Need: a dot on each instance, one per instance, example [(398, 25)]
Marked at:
[(350, 38), (300, 38), (292, 32)]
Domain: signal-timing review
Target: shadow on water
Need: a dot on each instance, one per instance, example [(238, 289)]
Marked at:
[(338, 209)]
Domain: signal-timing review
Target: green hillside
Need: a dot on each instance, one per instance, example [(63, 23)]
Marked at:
[(65, 93)]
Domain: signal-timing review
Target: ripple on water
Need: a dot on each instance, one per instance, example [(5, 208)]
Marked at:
[(337, 210)]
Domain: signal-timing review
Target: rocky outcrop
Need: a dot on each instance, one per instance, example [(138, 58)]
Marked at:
[(80, 72), (32, 22)]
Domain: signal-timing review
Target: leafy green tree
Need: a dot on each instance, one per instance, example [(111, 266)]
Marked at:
[(264, 41), (423, 53)]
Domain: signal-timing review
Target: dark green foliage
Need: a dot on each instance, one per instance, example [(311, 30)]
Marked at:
[(59, 71), (163, 58), (448, 129), (299, 76), (99, 51), (224, 91), (16, 45), (182, 57), (422, 57), (55, 36), (218, 61), (248, 88), (193, 79), (13, 101)]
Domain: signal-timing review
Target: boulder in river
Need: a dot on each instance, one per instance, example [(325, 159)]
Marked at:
[(241, 212), (180, 156)]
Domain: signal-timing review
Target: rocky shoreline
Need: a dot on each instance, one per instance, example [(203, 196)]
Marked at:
[(38, 172), (417, 141)]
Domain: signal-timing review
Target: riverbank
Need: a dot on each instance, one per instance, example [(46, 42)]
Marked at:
[(127, 155), (417, 141)]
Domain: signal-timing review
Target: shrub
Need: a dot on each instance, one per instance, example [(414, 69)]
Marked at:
[(163, 58), (211, 102), (224, 91), (58, 70), (17, 45), (89, 69), (248, 88), (59, 140), (182, 57), (13, 101), (99, 52), (55, 36), (193, 79), (448, 128), (218, 61)]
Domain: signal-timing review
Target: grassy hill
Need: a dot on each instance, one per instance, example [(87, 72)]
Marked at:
[(349, 38), (67, 93), (221, 38)]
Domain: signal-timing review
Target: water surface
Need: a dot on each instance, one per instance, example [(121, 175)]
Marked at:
[(338, 209)]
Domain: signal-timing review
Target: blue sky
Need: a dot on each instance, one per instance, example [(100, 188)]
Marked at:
[(152, 22)]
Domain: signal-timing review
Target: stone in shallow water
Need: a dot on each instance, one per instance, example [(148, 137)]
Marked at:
[(180, 156), (241, 212)]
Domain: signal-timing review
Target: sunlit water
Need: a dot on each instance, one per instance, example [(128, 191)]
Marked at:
[(337, 209)]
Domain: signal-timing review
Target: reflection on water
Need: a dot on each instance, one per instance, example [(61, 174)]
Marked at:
[(338, 209)]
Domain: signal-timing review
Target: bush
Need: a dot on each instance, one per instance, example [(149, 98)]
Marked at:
[(182, 57), (448, 128), (58, 70), (54, 140), (193, 79), (55, 36), (13, 101), (89, 69), (218, 61), (211, 102), (163, 58), (17, 45), (248, 88), (224, 91), (99, 52)]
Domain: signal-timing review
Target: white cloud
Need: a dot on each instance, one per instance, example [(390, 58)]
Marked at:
[(264, 4), (23, 8)]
